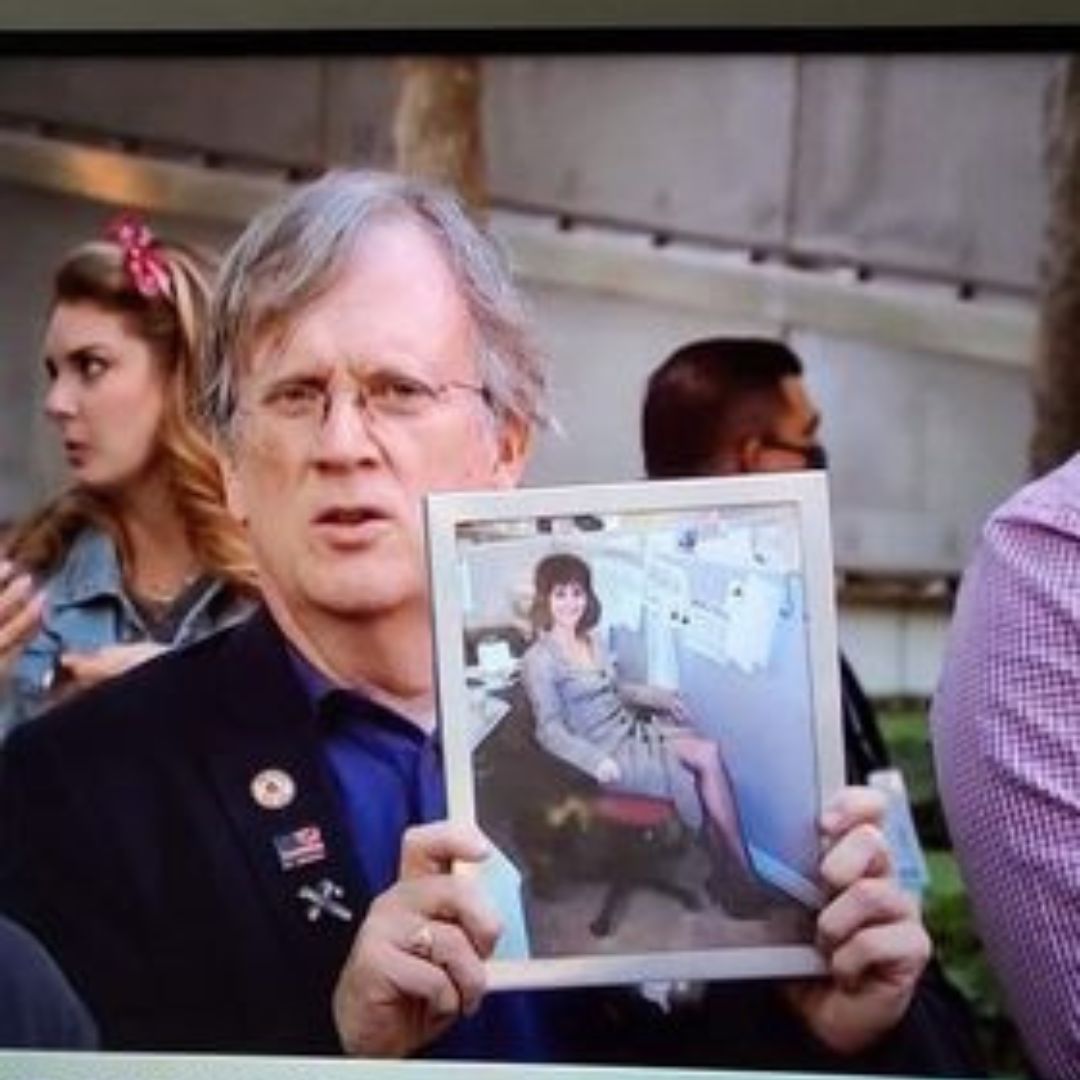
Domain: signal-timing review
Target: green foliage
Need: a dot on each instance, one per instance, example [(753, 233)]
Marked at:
[(908, 736), (907, 733)]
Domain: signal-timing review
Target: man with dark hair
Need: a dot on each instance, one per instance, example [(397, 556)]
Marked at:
[(722, 406), (729, 405)]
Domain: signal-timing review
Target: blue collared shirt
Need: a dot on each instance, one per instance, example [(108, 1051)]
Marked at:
[(389, 776)]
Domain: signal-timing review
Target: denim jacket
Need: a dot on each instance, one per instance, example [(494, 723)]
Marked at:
[(86, 609)]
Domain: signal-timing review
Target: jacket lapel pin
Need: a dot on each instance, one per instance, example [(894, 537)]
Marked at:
[(300, 847), (273, 789), (324, 899)]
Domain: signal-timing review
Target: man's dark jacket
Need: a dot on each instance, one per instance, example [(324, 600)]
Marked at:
[(135, 845)]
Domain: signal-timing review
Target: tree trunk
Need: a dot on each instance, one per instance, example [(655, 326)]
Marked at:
[(437, 124), (1057, 358)]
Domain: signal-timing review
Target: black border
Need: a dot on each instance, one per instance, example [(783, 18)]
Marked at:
[(542, 41)]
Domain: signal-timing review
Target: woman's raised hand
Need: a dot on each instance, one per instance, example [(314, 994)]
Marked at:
[(21, 610)]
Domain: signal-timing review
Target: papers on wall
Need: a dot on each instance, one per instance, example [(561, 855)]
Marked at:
[(776, 548), (667, 590), (738, 627), (751, 611), (660, 654), (743, 631), (707, 634), (762, 546), (620, 584), (729, 547)]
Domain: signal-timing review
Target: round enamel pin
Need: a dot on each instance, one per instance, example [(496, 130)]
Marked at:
[(273, 789)]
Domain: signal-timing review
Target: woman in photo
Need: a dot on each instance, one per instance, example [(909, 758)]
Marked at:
[(139, 553), (628, 737)]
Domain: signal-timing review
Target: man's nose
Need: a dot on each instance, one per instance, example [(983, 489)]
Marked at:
[(345, 435)]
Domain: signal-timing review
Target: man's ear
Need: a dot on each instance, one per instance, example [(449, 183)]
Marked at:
[(513, 442), (748, 455)]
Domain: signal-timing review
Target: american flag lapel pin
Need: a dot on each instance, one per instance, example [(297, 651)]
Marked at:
[(301, 847)]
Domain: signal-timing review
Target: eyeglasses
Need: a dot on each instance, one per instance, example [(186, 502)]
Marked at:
[(388, 396), (813, 454)]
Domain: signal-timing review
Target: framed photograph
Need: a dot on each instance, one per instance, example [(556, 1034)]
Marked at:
[(639, 698)]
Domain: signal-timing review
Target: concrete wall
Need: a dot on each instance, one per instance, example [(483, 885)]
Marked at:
[(919, 173), (925, 163), (929, 164), (921, 445)]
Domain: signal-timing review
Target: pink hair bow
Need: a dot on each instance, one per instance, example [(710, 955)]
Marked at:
[(142, 260)]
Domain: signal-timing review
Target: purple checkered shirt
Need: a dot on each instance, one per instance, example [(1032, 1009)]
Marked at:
[(1006, 728)]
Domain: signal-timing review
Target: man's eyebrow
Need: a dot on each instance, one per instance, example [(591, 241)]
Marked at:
[(265, 388), (274, 367)]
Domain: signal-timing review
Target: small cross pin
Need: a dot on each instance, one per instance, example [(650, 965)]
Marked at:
[(324, 898)]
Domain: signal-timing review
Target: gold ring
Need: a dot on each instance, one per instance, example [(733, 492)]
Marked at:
[(422, 943)]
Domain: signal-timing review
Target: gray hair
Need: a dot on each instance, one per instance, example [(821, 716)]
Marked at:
[(293, 252)]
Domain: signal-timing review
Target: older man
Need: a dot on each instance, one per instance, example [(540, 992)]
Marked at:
[(239, 847)]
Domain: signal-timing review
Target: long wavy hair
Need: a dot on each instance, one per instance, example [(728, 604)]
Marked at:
[(172, 322)]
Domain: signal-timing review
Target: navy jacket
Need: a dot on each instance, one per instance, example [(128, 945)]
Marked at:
[(133, 844)]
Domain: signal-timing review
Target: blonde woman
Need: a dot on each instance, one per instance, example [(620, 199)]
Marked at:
[(139, 553)]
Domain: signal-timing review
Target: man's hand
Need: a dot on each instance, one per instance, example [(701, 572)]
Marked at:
[(417, 962), (870, 932), (83, 670), (20, 614)]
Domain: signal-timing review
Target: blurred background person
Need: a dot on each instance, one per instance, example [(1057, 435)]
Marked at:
[(740, 405), (1007, 752), (138, 554), (728, 405)]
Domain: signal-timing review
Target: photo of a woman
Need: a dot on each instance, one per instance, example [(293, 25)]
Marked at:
[(629, 737)]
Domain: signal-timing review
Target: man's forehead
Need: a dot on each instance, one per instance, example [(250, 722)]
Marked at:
[(392, 301)]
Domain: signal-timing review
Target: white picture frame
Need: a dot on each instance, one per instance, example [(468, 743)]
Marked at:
[(716, 608)]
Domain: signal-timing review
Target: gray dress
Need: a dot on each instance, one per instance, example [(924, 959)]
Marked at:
[(582, 717)]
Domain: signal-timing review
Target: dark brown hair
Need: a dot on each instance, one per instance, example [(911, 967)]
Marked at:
[(562, 569), (708, 396)]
